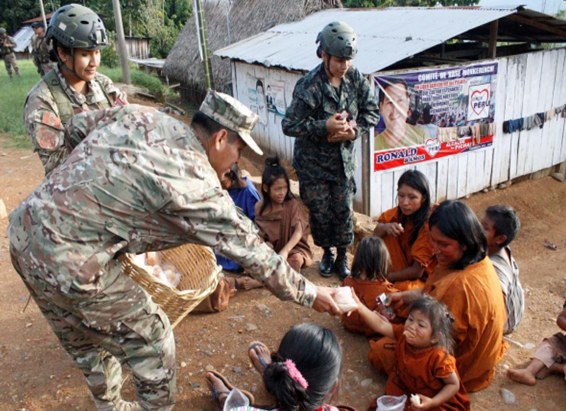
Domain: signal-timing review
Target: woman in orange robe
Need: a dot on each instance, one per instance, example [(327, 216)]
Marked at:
[(466, 282), (405, 231)]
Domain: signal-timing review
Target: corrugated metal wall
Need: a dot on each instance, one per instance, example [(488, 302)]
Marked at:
[(526, 84)]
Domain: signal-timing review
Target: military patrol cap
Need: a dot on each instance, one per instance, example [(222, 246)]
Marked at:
[(232, 114), (38, 24)]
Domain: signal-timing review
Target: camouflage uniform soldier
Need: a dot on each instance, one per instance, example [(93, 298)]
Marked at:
[(138, 181), (324, 147), (7, 45), (40, 49), (73, 86)]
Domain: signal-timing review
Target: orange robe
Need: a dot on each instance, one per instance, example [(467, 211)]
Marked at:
[(277, 228), (473, 295), (367, 291), (403, 254), (419, 371)]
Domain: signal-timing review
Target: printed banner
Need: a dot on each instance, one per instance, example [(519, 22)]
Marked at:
[(428, 114)]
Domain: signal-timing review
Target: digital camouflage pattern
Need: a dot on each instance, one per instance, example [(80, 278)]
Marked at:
[(7, 44), (314, 101), (326, 170), (40, 53), (44, 118), (138, 180), (232, 114)]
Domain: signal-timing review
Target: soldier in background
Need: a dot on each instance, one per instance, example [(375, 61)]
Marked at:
[(40, 49), (7, 45), (332, 106), (138, 180)]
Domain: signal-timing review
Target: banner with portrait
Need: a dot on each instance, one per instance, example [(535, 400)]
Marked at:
[(428, 114)]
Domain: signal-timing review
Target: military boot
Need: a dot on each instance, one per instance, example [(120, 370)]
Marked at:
[(341, 264), (327, 263)]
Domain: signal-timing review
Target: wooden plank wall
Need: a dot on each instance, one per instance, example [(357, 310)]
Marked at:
[(526, 84)]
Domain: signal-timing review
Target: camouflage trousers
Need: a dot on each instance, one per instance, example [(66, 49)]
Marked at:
[(101, 337), (330, 210), (11, 64)]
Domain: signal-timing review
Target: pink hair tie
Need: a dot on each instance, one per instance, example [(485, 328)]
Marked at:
[(295, 374)]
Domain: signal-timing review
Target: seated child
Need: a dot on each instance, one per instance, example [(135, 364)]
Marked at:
[(550, 357), (501, 225), (281, 218), (301, 375), (245, 196), (425, 365), (368, 280)]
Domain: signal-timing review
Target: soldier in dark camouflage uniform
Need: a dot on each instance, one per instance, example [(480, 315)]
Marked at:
[(7, 44), (324, 157), (40, 49), (138, 180)]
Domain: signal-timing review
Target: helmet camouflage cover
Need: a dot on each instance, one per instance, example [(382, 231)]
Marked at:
[(76, 26), (337, 39)]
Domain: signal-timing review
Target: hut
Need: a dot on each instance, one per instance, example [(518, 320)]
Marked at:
[(497, 95), (227, 22)]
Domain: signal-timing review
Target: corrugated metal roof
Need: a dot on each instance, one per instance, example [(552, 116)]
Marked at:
[(23, 39), (385, 36)]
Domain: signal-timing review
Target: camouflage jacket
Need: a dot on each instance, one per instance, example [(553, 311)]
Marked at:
[(42, 116), (7, 45), (314, 101), (139, 180), (40, 51)]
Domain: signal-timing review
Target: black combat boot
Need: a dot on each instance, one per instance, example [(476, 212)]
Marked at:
[(327, 263), (341, 264)]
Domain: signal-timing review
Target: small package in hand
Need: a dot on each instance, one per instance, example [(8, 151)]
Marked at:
[(344, 299), (415, 400)]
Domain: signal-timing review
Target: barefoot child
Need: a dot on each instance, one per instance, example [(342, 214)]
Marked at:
[(425, 366), (301, 375), (550, 357), (501, 225), (368, 280), (280, 217)]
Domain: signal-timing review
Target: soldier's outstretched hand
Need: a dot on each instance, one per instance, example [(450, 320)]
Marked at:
[(324, 302)]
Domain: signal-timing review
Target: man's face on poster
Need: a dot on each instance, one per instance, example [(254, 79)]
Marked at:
[(395, 109)]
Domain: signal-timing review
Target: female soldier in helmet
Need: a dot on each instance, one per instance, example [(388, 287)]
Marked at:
[(332, 106), (76, 34)]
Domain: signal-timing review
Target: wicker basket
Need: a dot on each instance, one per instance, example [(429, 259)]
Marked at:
[(199, 277)]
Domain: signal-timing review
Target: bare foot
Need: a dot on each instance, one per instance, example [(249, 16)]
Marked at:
[(260, 356), (542, 374), (219, 390), (248, 283), (521, 376)]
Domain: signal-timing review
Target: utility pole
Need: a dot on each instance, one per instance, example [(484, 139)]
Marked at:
[(43, 14), (121, 42), (203, 43)]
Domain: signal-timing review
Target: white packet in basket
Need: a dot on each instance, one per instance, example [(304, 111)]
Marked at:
[(344, 299)]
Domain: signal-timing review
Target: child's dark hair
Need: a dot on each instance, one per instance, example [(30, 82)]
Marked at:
[(505, 222), (273, 171), (316, 354), (417, 181), (371, 258), (457, 221), (441, 320)]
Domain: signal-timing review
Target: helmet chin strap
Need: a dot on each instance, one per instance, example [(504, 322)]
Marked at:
[(63, 66)]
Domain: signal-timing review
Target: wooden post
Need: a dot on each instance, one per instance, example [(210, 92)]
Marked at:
[(201, 34), (43, 14), (121, 42), (493, 27)]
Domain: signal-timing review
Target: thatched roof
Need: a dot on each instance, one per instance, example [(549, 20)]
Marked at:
[(226, 25)]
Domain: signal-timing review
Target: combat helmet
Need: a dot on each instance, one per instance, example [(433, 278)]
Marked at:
[(2, 31), (76, 26), (337, 39)]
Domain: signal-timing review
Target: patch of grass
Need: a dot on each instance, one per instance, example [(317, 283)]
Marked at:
[(12, 97), (140, 79)]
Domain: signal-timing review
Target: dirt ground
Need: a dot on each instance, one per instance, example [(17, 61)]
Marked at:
[(38, 374)]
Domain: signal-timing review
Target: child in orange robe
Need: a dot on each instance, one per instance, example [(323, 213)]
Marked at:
[(368, 280), (425, 369)]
